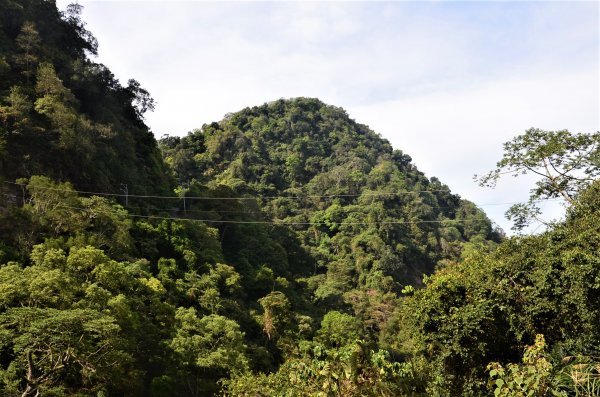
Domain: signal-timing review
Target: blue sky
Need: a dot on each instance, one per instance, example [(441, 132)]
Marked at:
[(446, 82)]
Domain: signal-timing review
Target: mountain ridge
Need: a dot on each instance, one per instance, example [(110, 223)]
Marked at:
[(304, 148)]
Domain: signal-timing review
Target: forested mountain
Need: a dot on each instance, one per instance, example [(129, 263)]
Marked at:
[(65, 116), (285, 250), (361, 210)]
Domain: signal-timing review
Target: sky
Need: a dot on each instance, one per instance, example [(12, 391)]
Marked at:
[(446, 82)]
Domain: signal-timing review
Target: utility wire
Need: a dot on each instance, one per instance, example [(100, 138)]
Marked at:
[(234, 198), (273, 222), (261, 212), (260, 197)]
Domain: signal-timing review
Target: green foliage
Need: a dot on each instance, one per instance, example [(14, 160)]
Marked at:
[(75, 349), (210, 342), (579, 377), (63, 115), (28, 42), (352, 370), (276, 313), (338, 329), (305, 153), (532, 378), (215, 289), (564, 163), (17, 109), (296, 216), (482, 309), (70, 220), (536, 376), (209, 347)]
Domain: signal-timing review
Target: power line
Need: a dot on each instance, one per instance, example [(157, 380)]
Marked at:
[(258, 212), (278, 222), (368, 194), (275, 222), (198, 211), (216, 211), (234, 198)]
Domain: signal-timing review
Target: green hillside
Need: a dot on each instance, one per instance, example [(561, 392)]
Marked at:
[(361, 210), (64, 115), (285, 250)]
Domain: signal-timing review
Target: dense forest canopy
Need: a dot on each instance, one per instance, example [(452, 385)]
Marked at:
[(360, 208), (64, 115), (285, 250)]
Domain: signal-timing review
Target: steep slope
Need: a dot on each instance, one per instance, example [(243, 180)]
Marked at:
[(63, 115), (280, 264), (362, 210), (291, 219)]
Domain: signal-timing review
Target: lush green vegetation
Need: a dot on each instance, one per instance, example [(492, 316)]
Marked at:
[(62, 114), (285, 251)]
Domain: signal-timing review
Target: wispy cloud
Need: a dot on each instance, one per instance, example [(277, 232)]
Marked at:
[(447, 82)]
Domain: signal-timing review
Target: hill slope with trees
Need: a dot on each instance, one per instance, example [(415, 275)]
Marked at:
[(361, 210), (285, 250), (64, 115)]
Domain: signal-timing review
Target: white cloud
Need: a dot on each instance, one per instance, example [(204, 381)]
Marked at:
[(446, 82), (455, 134)]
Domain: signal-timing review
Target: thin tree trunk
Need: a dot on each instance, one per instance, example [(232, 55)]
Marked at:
[(31, 384)]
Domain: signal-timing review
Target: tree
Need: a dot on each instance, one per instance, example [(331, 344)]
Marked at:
[(338, 329), (531, 378), (140, 98), (215, 287), (56, 102), (487, 307), (94, 220), (60, 348), (276, 315), (52, 204), (209, 347), (352, 370), (17, 111), (49, 84), (87, 41), (564, 163), (28, 42)]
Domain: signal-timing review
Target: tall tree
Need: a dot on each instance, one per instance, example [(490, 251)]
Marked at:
[(61, 349), (28, 42), (564, 163)]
